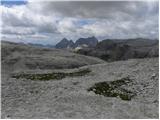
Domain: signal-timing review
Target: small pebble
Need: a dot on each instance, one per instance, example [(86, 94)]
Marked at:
[(153, 75)]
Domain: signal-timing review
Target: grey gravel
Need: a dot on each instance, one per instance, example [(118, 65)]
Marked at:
[(69, 98)]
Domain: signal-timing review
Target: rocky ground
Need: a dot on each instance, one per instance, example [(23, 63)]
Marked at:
[(70, 97), (20, 56)]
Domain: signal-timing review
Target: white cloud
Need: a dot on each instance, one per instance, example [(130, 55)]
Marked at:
[(51, 21), (66, 25)]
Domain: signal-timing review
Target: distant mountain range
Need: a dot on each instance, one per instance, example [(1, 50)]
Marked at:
[(41, 45), (112, 50), (109, 49), (88, 42)]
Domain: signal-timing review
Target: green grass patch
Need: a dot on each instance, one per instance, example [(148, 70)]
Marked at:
[(51, 76), (113, 89)]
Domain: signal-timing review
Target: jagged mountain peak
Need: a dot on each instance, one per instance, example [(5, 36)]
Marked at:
[(65, 43), (90, 41)]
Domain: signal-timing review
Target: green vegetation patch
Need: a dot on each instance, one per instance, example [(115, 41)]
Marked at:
[(51, 76), (113, 89)]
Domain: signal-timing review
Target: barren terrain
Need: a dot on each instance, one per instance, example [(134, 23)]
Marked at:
[(71, 96)]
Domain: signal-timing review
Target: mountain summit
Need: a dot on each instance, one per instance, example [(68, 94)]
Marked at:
[(90, 41), (64, 43)]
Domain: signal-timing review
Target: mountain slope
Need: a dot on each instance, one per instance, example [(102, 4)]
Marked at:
[(112, 50), (20, 56)]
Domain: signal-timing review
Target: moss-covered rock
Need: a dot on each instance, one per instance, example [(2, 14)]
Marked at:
[(51, 76), (113, 89)]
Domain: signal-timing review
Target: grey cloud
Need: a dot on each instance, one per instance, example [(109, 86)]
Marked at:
[(137, 13), (111, 19), (18, 30), (101, 9)]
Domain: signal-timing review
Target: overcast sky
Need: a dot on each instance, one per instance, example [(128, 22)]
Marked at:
[(49, 22)]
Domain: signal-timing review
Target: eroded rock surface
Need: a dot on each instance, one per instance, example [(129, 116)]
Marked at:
[(70, 98)]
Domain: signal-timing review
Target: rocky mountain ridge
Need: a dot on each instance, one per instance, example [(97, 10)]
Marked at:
[(88, 42), (113, 50)]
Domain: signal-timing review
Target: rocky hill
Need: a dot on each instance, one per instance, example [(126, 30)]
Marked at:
[(20, 56), (112, 50)]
